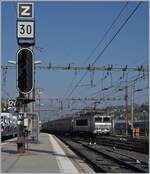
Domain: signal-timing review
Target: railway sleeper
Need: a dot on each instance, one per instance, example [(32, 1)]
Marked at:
[(99, 163), (129, 163)]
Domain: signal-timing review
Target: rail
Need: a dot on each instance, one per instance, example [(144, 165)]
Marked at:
[(104, 160)]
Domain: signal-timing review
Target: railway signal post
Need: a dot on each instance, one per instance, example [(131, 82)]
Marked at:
[(25, 66)]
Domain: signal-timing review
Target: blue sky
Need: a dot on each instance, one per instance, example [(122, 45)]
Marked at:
[(68, 32)]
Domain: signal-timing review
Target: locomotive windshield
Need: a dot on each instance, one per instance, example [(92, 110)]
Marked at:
[(106, 119), (98, 119), (102, 119), (82, 122)]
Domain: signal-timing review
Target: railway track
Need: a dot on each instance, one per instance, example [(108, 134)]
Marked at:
[(121, 143), (104, 159), (124, 145)]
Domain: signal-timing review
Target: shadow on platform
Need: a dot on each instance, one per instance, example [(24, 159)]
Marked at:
[(54, 153), (41, 151)]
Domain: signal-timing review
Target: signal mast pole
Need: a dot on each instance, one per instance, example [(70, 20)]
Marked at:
[(25, 66), (126, 105)]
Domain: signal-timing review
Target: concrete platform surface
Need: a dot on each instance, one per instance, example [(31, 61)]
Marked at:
[(50, 155)]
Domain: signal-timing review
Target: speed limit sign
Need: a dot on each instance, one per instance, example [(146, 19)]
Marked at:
[(25, 29)]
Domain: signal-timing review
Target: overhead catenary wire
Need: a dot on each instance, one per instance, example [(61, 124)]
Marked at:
[(133, 78), (95, 68), (99, 43), (107, 45), (69, 86), (130, 83), (118, 15), (118, 31), (113, 86), (116, 90), (106, 33), (141, 60)]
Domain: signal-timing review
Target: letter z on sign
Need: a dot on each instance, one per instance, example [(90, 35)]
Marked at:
[(25, 10), (25, 29)]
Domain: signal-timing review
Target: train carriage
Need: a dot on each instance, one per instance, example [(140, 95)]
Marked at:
[(8, 125), (90, 122)]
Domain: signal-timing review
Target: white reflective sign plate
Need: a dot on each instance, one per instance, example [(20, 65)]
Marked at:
[(25, 29), (25, 10)]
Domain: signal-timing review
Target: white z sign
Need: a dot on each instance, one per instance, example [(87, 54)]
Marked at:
[(25, 10)]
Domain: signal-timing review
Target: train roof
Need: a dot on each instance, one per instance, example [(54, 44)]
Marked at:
[(79, 116), (61, 118), (9, 115), (6, 114)]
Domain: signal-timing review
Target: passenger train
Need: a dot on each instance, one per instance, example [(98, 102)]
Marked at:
[(8, 125), (90, 122)]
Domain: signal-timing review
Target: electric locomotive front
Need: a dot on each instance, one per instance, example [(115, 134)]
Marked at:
[(102, 124)]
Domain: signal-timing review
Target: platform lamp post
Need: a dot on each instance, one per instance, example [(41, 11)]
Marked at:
[(113, 114), (132, 107), (38, 95), (145, 117)]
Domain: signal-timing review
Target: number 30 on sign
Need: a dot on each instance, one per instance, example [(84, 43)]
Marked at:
[(25, 29)]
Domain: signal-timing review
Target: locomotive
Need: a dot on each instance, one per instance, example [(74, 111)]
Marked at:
[(90, 123)]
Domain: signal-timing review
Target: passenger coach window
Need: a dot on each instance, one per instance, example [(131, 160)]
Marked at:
[(106, 119), (82, 122), (98, 119)]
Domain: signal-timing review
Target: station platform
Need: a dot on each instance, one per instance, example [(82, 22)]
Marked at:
[(49, 155)]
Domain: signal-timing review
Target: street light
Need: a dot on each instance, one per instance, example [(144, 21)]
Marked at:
[(132, 106), (39, 93), (145, 117)]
